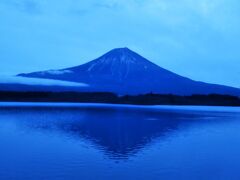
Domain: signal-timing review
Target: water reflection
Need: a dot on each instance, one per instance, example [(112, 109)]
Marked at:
[(118, 132)]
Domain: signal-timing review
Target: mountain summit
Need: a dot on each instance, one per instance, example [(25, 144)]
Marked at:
[(123, 71)]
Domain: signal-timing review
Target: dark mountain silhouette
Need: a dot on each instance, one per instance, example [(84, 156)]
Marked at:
[(123, 71)]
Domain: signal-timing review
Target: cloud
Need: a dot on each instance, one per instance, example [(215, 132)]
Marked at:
[(26, 6), (31, 7), (38, 81)]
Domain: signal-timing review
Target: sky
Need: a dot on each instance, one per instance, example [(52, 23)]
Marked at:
[(199, 39)]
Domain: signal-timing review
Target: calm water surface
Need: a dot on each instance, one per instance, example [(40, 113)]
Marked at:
[(104, 142)]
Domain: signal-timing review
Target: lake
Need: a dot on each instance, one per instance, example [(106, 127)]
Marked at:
[(63, 141)]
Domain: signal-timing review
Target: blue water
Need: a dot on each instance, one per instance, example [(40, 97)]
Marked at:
[(105, 142)]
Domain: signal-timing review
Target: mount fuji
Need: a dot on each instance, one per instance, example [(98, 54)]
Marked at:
[(123, 71)]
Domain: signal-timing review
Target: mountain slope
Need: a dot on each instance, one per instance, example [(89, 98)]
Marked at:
[(123, 71)]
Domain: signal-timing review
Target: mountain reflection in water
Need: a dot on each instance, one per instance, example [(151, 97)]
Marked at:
[(120, 133)]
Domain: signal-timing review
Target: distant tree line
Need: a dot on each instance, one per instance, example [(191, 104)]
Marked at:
[(105, 97)]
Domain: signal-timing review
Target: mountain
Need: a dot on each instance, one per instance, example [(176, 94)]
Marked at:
[(123, 71)]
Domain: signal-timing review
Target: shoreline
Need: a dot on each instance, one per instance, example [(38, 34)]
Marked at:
[(128, 106)]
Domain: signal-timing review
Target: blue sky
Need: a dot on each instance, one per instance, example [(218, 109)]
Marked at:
[(199, 39)]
